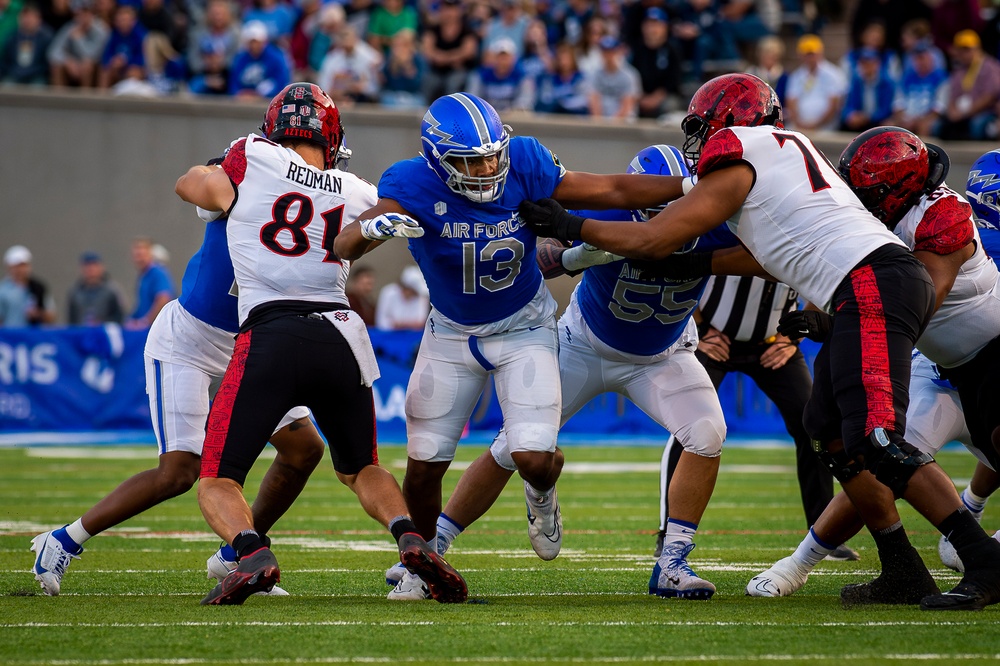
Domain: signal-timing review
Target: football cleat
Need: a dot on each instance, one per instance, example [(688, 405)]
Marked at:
[(409, 588), (948, 554), (977, 590), (257, 572), (444, 584), (394, 574), (843, 553), (891, 588), (544, 522), (673, 577), (219, 567), (51, 561), (783, 579)]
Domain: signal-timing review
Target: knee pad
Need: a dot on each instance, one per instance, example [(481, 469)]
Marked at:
[(501, 452), (893, 460), (842, 466), (703, 438), (532, 436)]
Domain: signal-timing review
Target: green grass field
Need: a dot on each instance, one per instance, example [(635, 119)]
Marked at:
[(133, 597)]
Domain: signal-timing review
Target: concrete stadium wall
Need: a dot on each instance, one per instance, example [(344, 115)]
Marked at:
[(90, 172)]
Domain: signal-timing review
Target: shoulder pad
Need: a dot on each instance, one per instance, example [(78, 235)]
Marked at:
[(723, 149), (946, 226), (235, 164)]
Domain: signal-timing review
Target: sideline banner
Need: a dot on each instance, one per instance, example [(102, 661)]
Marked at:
[(86, 379)]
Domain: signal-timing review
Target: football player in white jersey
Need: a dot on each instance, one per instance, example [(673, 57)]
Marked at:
[(187, 350), (299, 343), (491, 311), (899, 179), (805, 227)]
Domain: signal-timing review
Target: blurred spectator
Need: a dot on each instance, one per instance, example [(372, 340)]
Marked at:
[(306, 26), (537, 57), (570, 20), (24, 58), (387, 19), (104, 10), (165, 41), (277, 17), (511, 23), (260, 69), (659, 65), (501, 81), (154, 288), (350, 71), (973, 90), (741, 22), (769, 67), (892, 13), (9, 10), (213, 75), (565, 90), (922, 94), (872, 37), (588, 52), (77, 48), (216, 39), (403, 305), (918, 31), (360, 290), (94, 299), (24, 300), (815, 89), (330, 22), (450, 47), (615, 88), (402, 73), (869, 98), (123, 57), (695, 30), (950, 17), (56, 13)]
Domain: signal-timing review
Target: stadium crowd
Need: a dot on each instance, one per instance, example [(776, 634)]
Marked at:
[(926, 65)]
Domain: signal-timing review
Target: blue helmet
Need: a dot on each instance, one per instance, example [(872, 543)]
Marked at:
[(460, 127), (659, 160), (983, 190)]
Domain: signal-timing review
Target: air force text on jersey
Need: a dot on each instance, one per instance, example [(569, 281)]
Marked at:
[(480, 229)]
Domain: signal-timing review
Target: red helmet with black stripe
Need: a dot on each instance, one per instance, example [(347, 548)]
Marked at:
[(730, 100), (302, 111), (889, 168)]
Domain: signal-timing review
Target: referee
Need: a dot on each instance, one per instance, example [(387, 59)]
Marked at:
[(737, 325)]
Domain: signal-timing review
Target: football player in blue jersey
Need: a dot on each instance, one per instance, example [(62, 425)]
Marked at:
[(491, 312), (633, 334), (187, 351)]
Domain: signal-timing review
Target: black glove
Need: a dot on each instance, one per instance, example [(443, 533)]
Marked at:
[(217, 161), (548, 219), (686, 266), (806, 324)]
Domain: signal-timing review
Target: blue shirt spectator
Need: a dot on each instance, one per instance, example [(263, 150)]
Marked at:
[(260, 70), (503, 84), (921, 96), (123, 56), (870, 95), (279, 18), (565, 90), (154, 288), (23, 58)]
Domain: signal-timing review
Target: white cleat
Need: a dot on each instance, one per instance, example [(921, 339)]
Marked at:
[(394, 573), (544, 522), (51, 561), (409, 588), (673, 577), (783, 579), (219, 567)]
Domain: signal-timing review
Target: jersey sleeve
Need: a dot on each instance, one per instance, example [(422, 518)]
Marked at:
[(537, 166), (722, 150), (235, 164), (946, 227), (391, 185)]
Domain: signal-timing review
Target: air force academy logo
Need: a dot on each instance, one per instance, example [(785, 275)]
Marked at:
[(434, 129), (440, 208)]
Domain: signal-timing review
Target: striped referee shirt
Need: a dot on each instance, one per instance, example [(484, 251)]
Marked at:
[(746, 309)]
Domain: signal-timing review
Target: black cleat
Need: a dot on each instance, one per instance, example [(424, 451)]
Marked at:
[(444, 583), (977, 590), (257, 572), (897, 589), (844, 553)]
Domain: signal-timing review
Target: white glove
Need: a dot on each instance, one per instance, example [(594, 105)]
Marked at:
[(389, 225), (208, 215), (585, 255), (688, 183)]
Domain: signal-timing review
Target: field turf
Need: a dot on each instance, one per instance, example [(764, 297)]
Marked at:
[(133, 597)]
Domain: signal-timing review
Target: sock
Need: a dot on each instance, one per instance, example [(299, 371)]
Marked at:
[(228, 553), (811, 551), (247, 542), (537, 494), (973, 545), (77, 532), (447, 530), (896, 553), (401, 525), (68, 544), (974, 502), (679, 531)]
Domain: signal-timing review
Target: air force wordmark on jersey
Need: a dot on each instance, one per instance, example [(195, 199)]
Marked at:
[(482, 229)]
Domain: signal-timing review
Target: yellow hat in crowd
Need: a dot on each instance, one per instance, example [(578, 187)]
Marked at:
[(967, 39), (810, 44)]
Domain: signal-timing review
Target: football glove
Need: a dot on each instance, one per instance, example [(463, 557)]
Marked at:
[(676, 266), (586, 255), (390, 225), (548, 219), (806, 324)]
